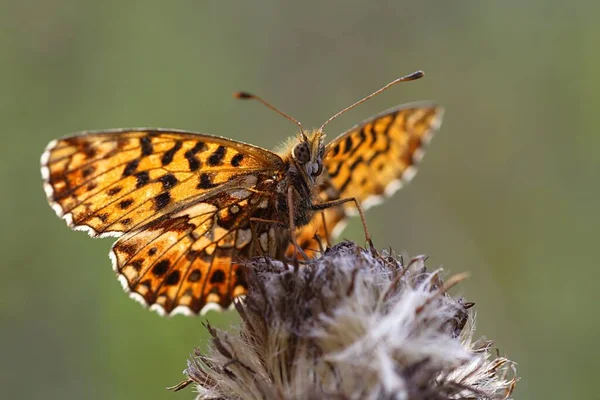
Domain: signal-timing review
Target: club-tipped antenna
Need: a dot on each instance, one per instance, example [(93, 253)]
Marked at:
[(248, 96), (410, 77)]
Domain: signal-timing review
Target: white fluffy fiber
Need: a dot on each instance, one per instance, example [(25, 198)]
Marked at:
[(350, 325)]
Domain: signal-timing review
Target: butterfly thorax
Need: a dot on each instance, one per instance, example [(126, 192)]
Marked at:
[(303, 160), (301, 196)]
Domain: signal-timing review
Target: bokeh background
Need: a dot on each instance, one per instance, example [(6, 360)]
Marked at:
[(508, 190)]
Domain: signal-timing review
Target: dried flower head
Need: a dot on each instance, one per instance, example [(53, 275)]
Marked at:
[(349, 325)]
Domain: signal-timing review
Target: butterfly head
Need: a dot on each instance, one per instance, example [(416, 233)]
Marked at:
[(307, 155)]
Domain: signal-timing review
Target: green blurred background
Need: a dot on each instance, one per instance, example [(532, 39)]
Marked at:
[(508, 190)]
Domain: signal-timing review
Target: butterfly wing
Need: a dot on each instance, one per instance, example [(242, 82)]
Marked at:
[(371, 161), (376, 157), (111, 182), (183, 201), (187, 261)]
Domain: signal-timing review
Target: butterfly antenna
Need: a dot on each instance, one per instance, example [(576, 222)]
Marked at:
[(409, 77), (248, 96)]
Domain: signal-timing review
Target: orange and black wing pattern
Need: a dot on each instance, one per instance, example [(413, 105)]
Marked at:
[(371, 161), (180, 201), (376, 157), (191, 261)]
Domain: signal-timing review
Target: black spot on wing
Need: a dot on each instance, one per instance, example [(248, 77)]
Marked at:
[(88, 150), (356, 163), (237, 159), (162, 200), (216, 158), (125, 203), (352, 166), (167, 158), (127, 248), (161, 267), (142, 179), (335, 150), (168, 181), (194, 276), (173, 278), (87, 171), (194, 163), (190, 156), (372, 134), (217, 277), (206, 181), (114, 190), (198, 147), (388, 124), (362, 135), (131, 167), (192, 254), (348, 144), (137, 265), (146, 143)]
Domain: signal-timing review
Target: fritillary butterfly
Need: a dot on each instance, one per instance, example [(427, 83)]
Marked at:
[(188, 208)]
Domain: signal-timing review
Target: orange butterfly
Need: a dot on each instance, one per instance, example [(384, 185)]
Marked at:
[(188, 208)]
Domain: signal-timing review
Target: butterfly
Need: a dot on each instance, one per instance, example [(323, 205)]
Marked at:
[(189, 208)]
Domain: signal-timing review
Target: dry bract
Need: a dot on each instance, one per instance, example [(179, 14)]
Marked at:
[(350, 325)]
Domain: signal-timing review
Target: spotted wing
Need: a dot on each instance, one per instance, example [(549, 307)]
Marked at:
[(183, 202), (376, 157), (108, 183), (369, 162), (188, 262)]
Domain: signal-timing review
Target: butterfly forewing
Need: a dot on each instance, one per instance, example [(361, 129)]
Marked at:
[(376, 157), (112, 182)]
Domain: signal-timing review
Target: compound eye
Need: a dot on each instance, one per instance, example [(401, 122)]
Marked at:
[(319, 168), (301, 153)]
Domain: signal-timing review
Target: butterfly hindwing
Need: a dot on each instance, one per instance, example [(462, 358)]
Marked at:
[(111, 182), (189, 262)]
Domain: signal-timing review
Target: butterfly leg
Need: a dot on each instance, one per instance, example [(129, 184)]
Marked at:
[(268, 221), (327, 241), (279, 224), (318, 237), (335, 203), (253, 222)]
